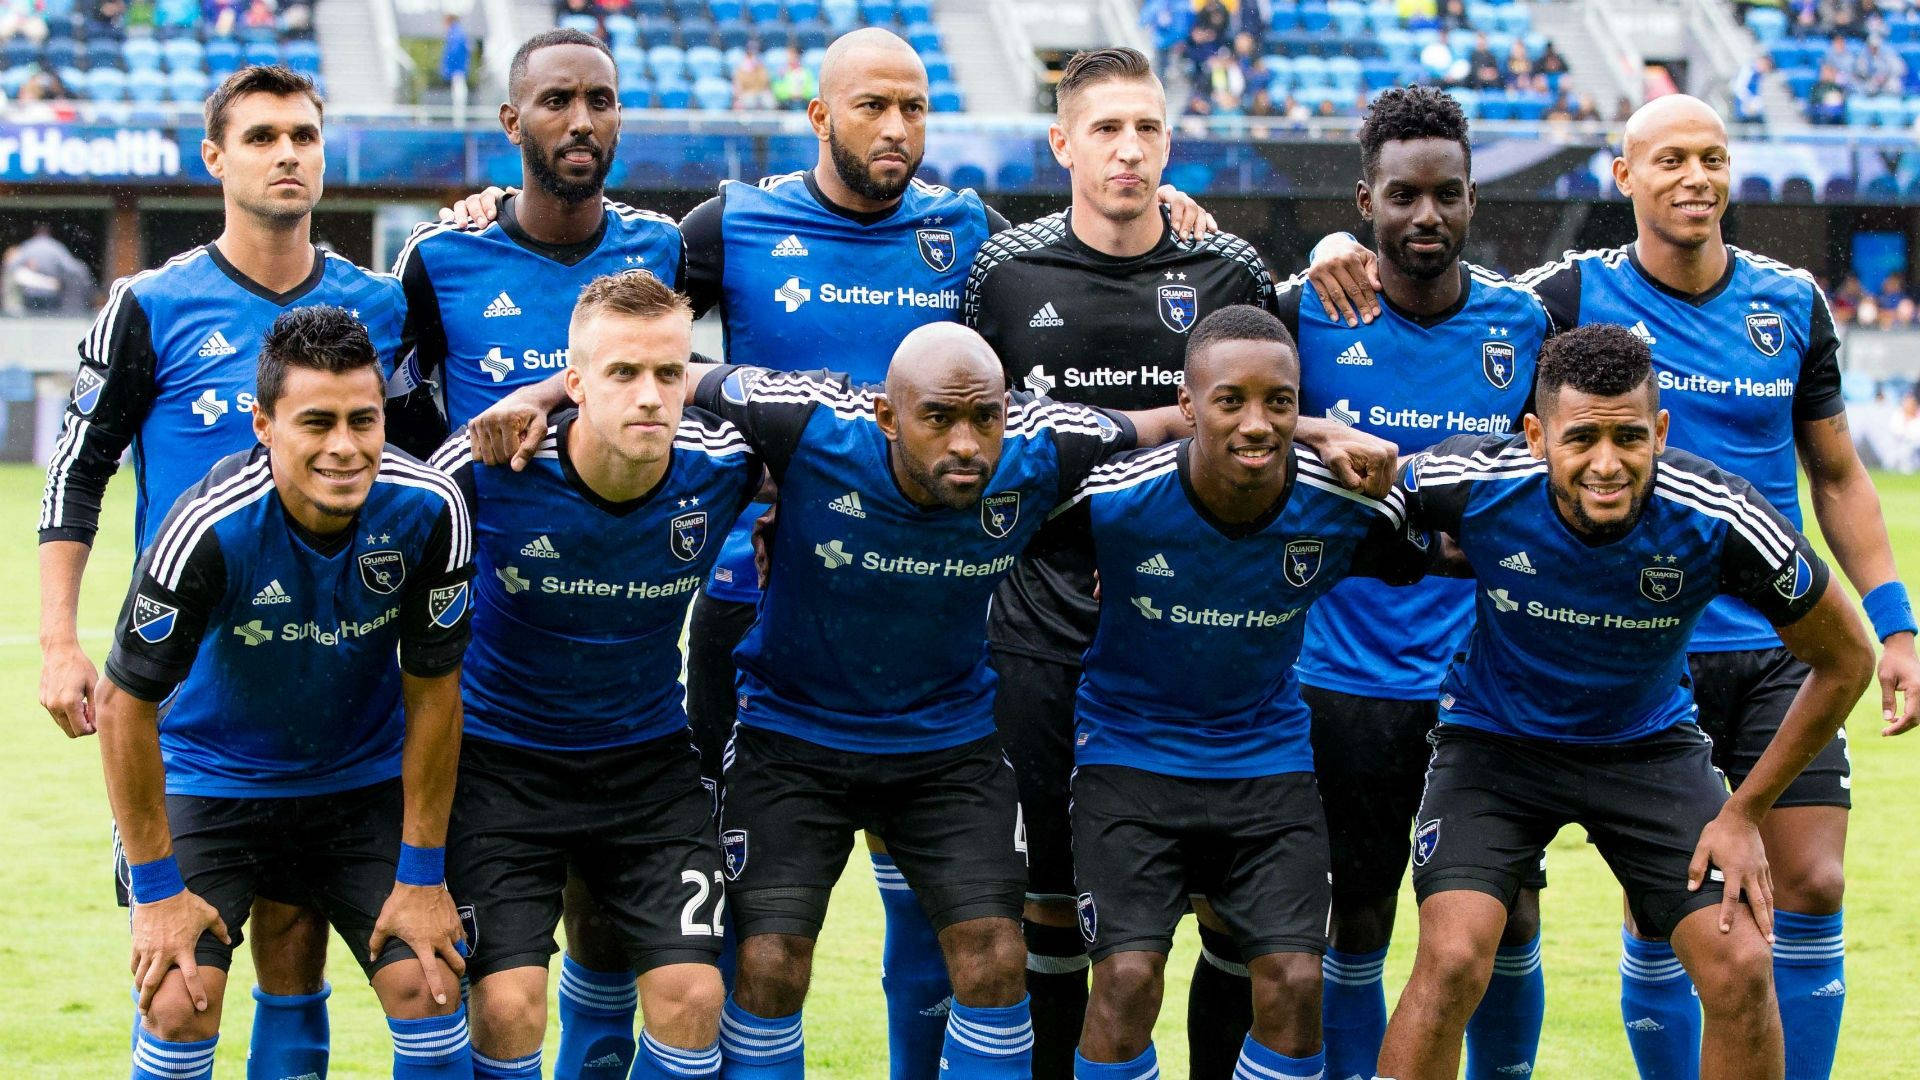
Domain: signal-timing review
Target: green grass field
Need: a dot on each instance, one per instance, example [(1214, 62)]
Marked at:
[(63, 944)]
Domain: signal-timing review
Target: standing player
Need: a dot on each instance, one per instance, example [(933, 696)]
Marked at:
[(1572, 701), (1174, 795), (1746, 351), (168, 369), (1452, 351), (317, 560), (577, 754)]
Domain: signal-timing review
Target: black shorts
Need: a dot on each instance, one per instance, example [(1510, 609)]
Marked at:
[(635, 824), (790, 809), (1144, 842), (1494, 801), (1370, 755), (335, 852), (1743, 697), (714, 630), (1033, 708)]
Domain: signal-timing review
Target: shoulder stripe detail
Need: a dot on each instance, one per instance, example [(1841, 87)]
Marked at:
[(455, 455), (1120, 475), (420, 233), (171, 550), (935, 190), (1233, 248), (1719, 501), (1003, 246), (1445, 469), (407, 473), (635, 213), (768, 183), (1611, 257), (719, 440), (1310, 470)]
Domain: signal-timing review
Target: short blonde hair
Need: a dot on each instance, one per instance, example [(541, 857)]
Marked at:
[(634, 293)]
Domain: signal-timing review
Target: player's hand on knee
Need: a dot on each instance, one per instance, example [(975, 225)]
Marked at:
[(424, 919), (1731, 842), (1347, 280), (165, 934), (478, 210), (509, 431), (67, 679), (1899, 686), (1361, 462), (1189, 219)]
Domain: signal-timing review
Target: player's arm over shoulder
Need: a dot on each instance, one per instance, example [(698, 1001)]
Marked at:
[(771, 409), (1434, 485)]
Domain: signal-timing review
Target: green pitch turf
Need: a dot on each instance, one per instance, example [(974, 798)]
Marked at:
[(63, 945)]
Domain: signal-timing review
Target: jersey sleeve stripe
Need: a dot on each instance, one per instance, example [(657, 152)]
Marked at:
[(1313, 472), (1736, 510), (410, 474), (182, 536), (1135, 471), (53, 501), (455, 455)]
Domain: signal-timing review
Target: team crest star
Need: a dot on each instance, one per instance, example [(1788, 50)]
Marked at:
[(1183, 277), (1169, 275), (385, 538), (371, 539)]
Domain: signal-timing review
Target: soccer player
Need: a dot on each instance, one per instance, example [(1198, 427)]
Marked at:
[(1452, 351), (1094, 304), (316, 560), (168, 369), (1746, 352), (1572, 702), (577, 753), (1175, 794)]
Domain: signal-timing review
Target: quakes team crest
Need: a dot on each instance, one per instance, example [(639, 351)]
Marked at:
[(936, 248), (1179, 307), (1425, 840), (445, 605), (999, 514), (733, 844), (687, 534), (383, 571), (151, 619), (1661, 583), (86, 390), (1767, 331), (1089, 918), (1496, 362), (1301, 561)]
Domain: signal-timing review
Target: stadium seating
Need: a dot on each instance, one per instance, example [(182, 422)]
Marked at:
[(1797, 62)]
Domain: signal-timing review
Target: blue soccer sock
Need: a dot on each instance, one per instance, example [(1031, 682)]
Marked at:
[(289, 1035), (1353, 1011), (758, 1048), (155, 1058), (913, 975), (1144, 1067), (596, 1023), (1809, 975), (988, 1043), (435, 1048), (520, 1068), (1503, 1035), (1257, 1062), (1660, 1010), (656, 1060)]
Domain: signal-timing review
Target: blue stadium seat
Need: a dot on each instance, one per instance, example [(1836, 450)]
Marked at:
[(106, 84), (939, 69), (184, 54), (732, 34), (773, 37), (1882, 188), (1310, 73), (261, 52), (1314, 17), (1013, 176), (841, 14), (811, 35), (635, 94), (1280, 70), (1838, 189), (923, 37), (876, 12), (1482, 15), (1344, 73), (1400, 46), (655, 29), (968, 176), (19, 53), (801, 11), (713, 93), (1579, 184), (913, 11), (645, 9), (1800, 81), (630, 61), (96, 54), (622, 29), (723, 10), (223, 57), (1380, 74), (1349, 17), (258, 33), (763, 11), (674, 96), (1496, 105), (946, 98), (146, 87), (585, 24), (1796, 189), (667, 63), (143, 54), (813, 58), (1515, 19), (1756, 188), (1469, 102), (187, 87), (1767, 24), (13, 78), (696, 30), (302, 56), (1530, 107), (705, 62)]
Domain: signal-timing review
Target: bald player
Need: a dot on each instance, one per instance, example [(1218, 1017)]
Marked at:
[(1746, 361)]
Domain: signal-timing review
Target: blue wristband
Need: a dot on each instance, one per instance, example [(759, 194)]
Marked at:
[(1890, 610), (421, 866), (153, 881)]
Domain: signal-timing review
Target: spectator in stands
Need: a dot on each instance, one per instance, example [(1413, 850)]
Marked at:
[(1839, 54), (1226, 84), (108, 18), (260, 15), (611, 7), (1417, 14), (46, 278), (1520, 73), (1841, 17), (22, 18), (1879, 70), (1453, 15), (456, 54), (794, 86), (1441, 65), (1827, 101), (1293, 108), (176, 14), (1622, 109), (1749, 90), (1845, 300), (222, 16), (1484, 66), (752, 82), (44, 86), (1587, 109), (1215, 16), (1893, 291), (1259, 77), (1261, 103), (1906, 431), (1169, 21), (1552, 64), (1200, 103)]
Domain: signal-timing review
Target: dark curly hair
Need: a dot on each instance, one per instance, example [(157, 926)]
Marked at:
[(1411, 112), (318, 338), (1239, 322), (559, 35), (1598, 359)]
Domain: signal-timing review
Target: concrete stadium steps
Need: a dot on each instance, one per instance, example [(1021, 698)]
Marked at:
[(1564, 23), (981, 67), (349, 55)]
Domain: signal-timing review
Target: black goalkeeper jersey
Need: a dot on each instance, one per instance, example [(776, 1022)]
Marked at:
[(1073, 323)]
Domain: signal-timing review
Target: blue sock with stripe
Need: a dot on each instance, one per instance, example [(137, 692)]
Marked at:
[(1809, 975), (758, 1048), (1353, 1011), (913, 976), (435, 1048), (1660, 1010), (596, 1023), (520, 1068), (290, 1035), (1257, 1062), (1144, 1067), (1503, 1035), (656, 1060), (155, 1058), (988, 1043)]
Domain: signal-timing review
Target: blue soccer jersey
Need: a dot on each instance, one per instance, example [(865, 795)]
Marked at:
[(578, 601), (468, 328), (1413, 381), (803, 284), (871, 636), (279, 647), (1738, 365), (1586, 642), (168, 367), (1191, 672)]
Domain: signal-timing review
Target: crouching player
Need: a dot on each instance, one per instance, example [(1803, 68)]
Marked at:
[(1193, 763), (577, 756), (302, 613), (1596, 550)]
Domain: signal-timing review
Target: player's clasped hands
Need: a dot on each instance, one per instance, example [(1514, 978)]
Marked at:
[(424, 919), (165, 933), (1731, 842)]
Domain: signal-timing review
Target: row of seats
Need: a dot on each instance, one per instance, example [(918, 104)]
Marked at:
[(711, 89), (147, 86), (842, 14), (1399, 45), (1347, 73), (219, 57), (699, 30), (1771, 25), (706, 61), (1352, 18)]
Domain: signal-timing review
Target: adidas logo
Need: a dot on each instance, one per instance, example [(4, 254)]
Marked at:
[(1157, 566), (609, 1061), (540, 548), (253, 633), (789, 248), (1519, 561), (304, 1076), (939, 1010), (1046, 316), (501, 306), (216, 345), (1640, 331), (1836, 988), (848, 504), (1354, 355), (272, 594), (1646, 1023)]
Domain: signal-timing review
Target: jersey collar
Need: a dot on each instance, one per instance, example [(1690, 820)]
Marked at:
[(1167, 247), (858, 217), (564, 423), (312, 282), (1230, 529), (564, 254), (1438, 317), (1692, 299)]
